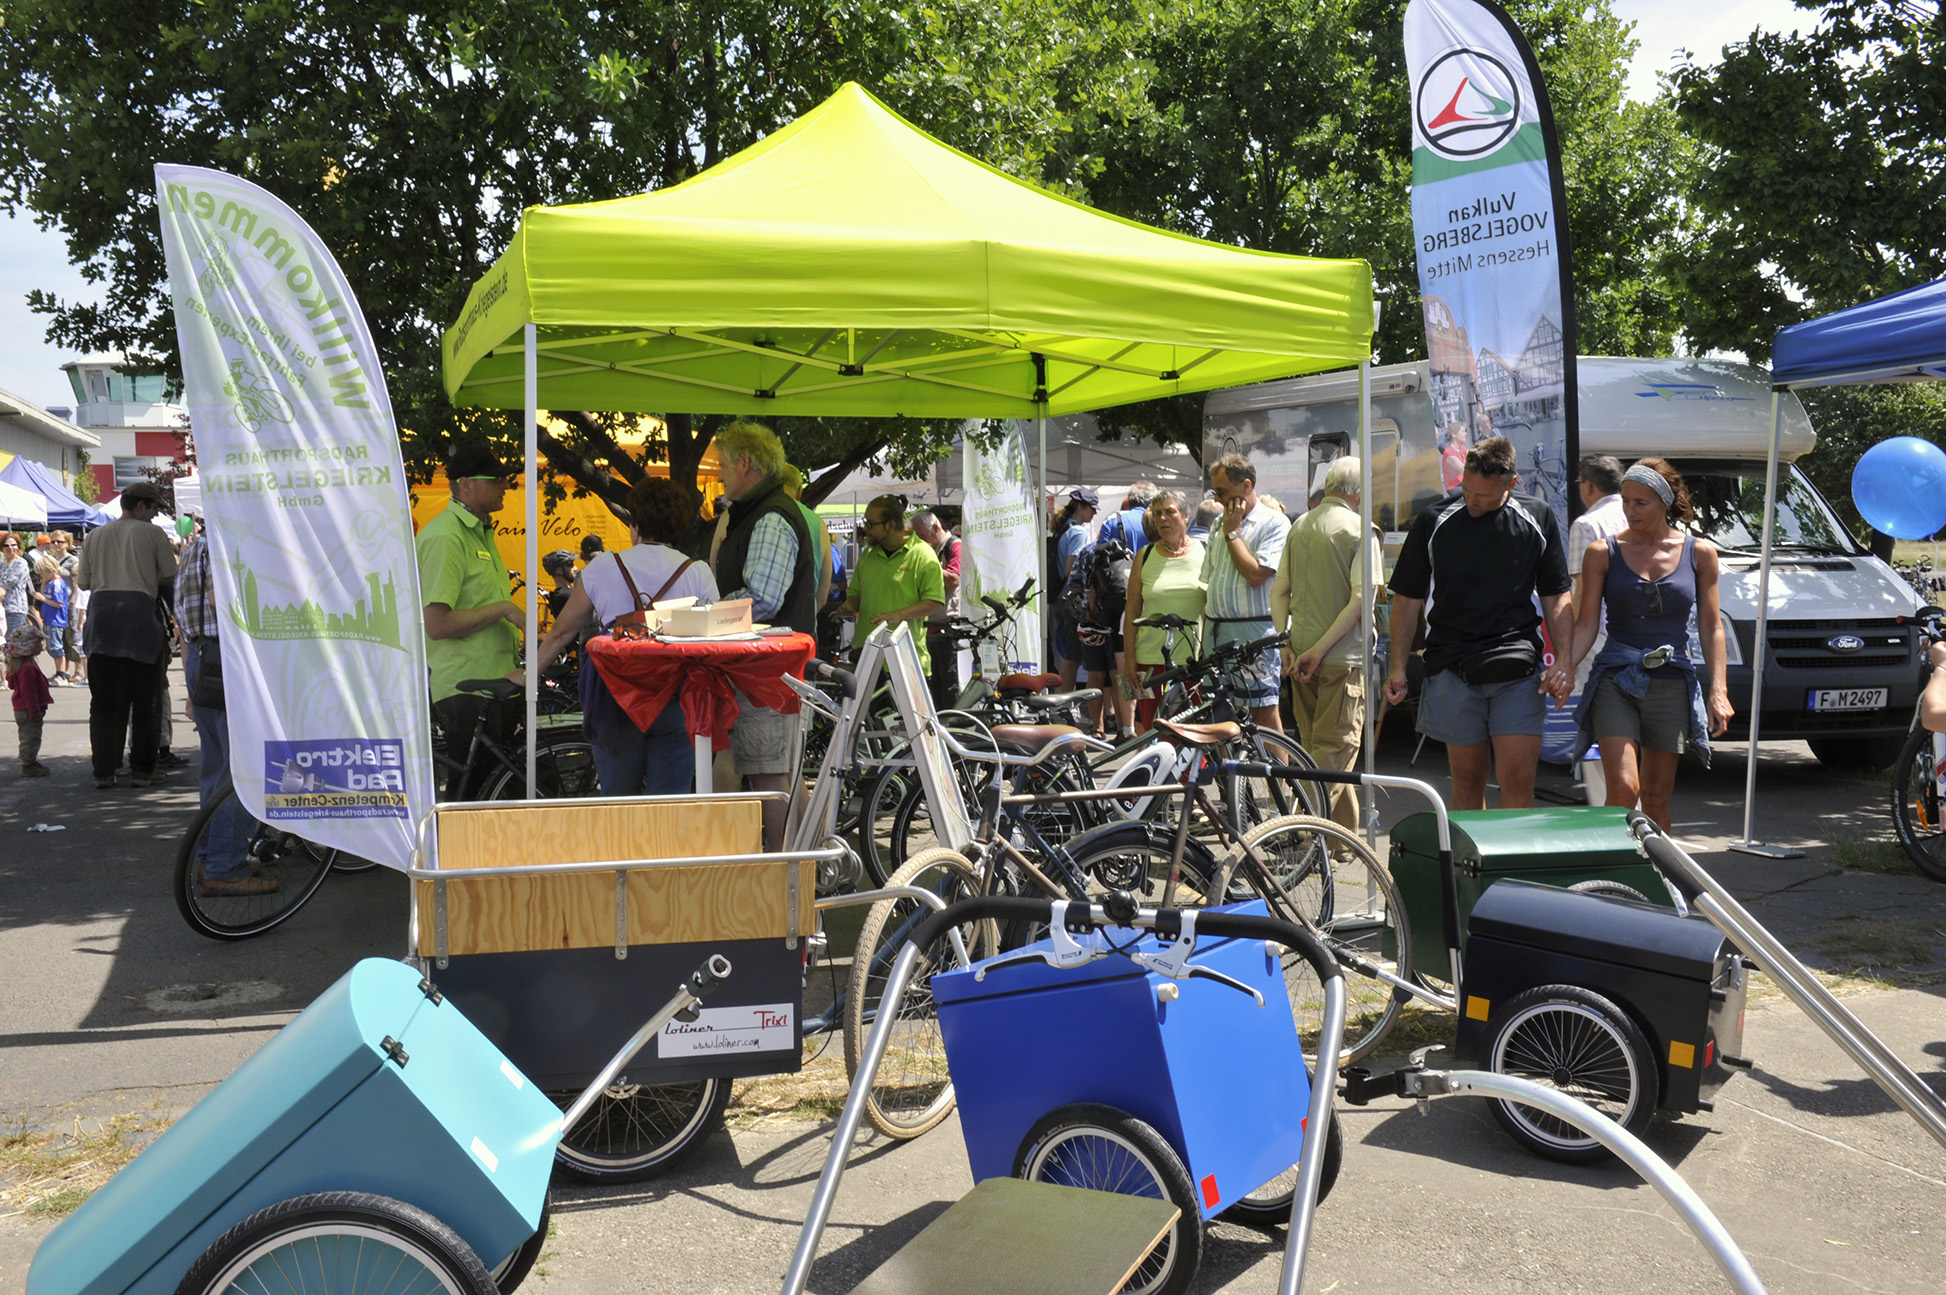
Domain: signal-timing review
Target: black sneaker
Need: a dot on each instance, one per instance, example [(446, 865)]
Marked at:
[(170, 760)]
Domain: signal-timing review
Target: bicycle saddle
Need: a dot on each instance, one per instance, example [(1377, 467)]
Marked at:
[(1057, 700), (1026, 682), (504, 689), (1203, 735), (1032, 739)]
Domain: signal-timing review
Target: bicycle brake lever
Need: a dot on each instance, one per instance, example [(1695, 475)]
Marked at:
[(1172, 960), (1066, 954), (1209, 973)]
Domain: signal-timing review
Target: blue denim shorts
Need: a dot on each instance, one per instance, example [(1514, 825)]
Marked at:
[(1458, 713)]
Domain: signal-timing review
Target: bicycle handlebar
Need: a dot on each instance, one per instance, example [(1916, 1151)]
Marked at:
[(1215, 660), (846, 681), (1121, 910)]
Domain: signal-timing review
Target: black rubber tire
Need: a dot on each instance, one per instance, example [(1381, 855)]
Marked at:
[(1326, 878), (1270, 1205), (1917, 807), (352, 863), (1266, 798), (296, 865), (637, 1131), (564, 768), (1135, 856), (1611, 888), (912, 1091), (513, 1270), (1580, 1043), (283, 1248), (1106, 1149)]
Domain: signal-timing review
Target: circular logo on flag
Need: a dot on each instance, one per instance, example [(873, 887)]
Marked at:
[(1468, 104)]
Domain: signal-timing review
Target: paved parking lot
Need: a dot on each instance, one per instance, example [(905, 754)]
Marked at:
[(112, 1005)]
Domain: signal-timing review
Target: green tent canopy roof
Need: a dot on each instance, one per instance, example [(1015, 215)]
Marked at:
[(850, 264)]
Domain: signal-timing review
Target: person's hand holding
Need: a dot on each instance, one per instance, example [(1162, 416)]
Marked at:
[(1290, 660), (1557, 682), (1395, 685)]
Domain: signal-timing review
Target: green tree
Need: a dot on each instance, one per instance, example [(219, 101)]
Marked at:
[(1820, 177)]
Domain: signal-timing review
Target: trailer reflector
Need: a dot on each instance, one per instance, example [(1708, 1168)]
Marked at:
[(1683, 1054), (1476, 1008)]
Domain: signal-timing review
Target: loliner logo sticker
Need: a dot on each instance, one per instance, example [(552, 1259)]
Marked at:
[(767, 1027), (1468, 104), (350, 777)]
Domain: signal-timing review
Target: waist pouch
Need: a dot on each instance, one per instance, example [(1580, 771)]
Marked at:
[(1503, 663)]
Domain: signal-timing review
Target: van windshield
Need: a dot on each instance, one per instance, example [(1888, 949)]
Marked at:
[(1729, 501)]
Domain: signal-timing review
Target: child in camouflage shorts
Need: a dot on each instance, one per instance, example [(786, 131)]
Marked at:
[(31, 694)]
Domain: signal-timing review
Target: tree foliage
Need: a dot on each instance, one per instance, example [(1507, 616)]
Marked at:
[(1821, 175)]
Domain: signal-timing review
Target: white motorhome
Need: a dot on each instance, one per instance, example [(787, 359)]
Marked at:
[(1845, 657)]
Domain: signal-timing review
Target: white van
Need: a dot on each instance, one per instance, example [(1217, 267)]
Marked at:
[(1845, 661)]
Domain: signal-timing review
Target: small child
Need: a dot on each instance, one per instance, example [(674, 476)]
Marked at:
[(31, 694), (53, 599)]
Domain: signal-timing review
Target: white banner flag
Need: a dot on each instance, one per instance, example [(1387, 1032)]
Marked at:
[(1001, 538), (310, 526)]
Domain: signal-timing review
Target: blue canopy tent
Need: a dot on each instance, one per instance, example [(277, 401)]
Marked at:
[(64, 509), (1900, 338)]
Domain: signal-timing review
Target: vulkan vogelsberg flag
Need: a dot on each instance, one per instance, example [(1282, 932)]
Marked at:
[(1488, 214), (316, 584)]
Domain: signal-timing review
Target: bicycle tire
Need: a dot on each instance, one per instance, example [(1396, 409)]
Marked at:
[(878, 820), (912, 826), (296, 866), (1326, 878), (1136, 857), (1261, 799), (635, 1131), (1576, 1042), (352, 863), (563, 768), (912, 1091), (1102, 1148), (306, 1244), (1916, 805)]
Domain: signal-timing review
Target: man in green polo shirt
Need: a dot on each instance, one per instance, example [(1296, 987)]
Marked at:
[(473, 626), (898, 577)]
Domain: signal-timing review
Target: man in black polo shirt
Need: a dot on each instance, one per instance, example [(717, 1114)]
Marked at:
[(1475, 563)]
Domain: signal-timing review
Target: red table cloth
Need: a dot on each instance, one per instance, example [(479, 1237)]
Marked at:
[(643, 674)]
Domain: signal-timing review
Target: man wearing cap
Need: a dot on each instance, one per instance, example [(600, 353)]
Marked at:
[(126, 567), (473, 626)]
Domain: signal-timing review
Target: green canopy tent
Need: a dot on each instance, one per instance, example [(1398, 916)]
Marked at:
[(850, 264)]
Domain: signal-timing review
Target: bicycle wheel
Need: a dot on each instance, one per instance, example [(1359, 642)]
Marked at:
[(1136, 857), (636, 1131), (1249, 801), (331, 1241), (563, 767), (352, 863), (887, 840), (1323, 876), (1916, 805), (912, 1091), (1270, 1204), (1104, 1149), (280, 872)]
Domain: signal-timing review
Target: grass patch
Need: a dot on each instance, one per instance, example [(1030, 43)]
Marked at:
[(1850, 852), (1873, 943), (47, 1172), (814, 1093)]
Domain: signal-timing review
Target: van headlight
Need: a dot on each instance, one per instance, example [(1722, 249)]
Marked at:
[(1732, 646)]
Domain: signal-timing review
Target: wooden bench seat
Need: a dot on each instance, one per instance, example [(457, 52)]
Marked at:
[(665, 905), (1012, 1237)]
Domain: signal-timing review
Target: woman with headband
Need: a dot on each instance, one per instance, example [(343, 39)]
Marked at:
[(1645, 699)]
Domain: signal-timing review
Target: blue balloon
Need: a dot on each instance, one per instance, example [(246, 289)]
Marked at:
[(1900, 488)]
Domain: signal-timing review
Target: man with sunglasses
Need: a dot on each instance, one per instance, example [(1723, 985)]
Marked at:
[(1476, 563), (473, 626)]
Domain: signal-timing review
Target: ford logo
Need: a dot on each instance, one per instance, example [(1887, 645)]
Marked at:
[(1845, 643)]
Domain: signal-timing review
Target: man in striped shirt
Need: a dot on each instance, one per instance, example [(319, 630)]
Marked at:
[(1245, 547)]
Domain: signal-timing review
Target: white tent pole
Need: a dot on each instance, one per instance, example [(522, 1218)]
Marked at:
[(530, 484), (1366, 577), (1749, 845)]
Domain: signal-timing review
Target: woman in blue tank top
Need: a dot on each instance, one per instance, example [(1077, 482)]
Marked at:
[(1645, 699)]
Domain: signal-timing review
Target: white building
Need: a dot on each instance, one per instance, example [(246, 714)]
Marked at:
[(44, 437), (133, 411)]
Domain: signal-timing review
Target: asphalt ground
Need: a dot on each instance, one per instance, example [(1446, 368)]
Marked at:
[(112, 1012)]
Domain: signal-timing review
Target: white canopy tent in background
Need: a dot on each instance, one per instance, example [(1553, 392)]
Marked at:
[(21, 507), (112, 508)]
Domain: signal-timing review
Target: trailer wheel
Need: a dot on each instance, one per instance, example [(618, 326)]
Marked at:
[(1609, 887), (636, 1131), (1105, 1149), (337, 1241), (1581, 1044)]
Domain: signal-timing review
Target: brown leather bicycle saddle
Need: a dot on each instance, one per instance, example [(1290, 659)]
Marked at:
[(1196, 734), (1032, 739), (1026, 682)]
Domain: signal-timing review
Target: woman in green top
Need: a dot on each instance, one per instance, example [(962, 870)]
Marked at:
[(1167, 580)]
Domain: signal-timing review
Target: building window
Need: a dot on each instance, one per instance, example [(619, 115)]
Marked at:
[(128, 470)]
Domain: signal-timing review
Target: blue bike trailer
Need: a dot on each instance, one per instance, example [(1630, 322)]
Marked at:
[(1220, 1078), (380, 1086)]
